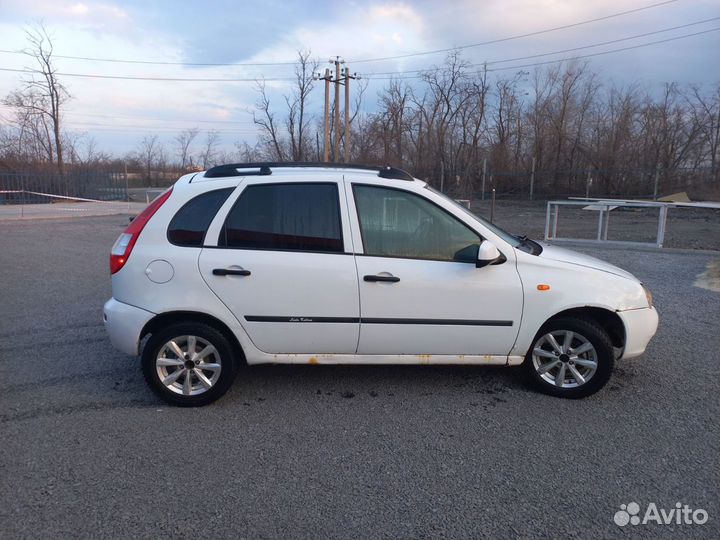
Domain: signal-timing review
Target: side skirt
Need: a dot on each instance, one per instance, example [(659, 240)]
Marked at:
[(398, 359)]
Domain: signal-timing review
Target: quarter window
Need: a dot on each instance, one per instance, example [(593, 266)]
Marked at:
[(297, 217), (189, 225), (397, 223)]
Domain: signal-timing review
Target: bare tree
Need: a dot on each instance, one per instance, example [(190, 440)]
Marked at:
[(446, 96), (297, 118), (148, 153), (42, 97), (264, 118), (183, 140), (473, 122), (706, 113), (34, 131), (394, 106), (295, 141), (246, 153), (212, 140)]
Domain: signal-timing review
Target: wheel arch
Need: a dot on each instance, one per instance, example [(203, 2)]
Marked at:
[(162, 320), (608, 320)]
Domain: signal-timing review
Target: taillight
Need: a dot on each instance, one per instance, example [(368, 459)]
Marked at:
[(123, 246)]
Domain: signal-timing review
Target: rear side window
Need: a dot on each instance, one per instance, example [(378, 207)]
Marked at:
[(189, 225), (296, 217)]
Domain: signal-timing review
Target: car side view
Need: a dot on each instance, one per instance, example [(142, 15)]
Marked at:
[(338, 264)]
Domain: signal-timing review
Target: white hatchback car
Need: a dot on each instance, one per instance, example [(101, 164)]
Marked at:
[(329, 264)]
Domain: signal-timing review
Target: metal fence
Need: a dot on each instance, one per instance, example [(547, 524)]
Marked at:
[(40, 187), (699, 183)]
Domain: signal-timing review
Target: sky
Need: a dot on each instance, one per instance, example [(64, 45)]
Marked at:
[(118, 113)]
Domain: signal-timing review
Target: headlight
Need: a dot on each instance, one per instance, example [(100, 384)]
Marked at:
[(648, 295)]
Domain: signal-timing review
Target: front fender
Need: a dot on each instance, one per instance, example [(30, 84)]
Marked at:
[(570, 286)]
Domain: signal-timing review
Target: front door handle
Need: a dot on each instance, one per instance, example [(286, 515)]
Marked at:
[(230, 272), (388, 279)]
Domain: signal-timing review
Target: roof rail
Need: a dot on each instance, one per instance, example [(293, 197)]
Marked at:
[(232, 169), (265, 168)]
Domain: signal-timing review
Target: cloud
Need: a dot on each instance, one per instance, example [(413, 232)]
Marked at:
[(375, 31), (60, 11), (233, 32), (79, 9), (274, 30)]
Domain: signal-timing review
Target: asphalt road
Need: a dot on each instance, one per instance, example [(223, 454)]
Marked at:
[(341, 452)]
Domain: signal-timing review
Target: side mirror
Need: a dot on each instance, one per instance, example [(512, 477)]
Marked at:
[(487, 254)]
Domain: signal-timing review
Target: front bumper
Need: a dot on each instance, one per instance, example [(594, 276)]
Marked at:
[(124, 323), (640, 327)]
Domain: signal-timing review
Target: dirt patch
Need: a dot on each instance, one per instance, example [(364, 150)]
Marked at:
[(710, 278)]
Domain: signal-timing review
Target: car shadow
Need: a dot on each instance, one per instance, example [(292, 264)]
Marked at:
[(349, 381)]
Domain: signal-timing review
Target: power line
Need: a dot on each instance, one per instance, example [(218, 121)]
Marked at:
[(160, 63), (129, 78), (613, 50), (519, 36), (366, 60), (125, 77), (565, 59), (153, 127), (139, 117), (179, 79), (149, 128), (566, 50)]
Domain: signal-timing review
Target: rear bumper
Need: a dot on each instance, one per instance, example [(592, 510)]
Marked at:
[(124, 323), (640, 327)]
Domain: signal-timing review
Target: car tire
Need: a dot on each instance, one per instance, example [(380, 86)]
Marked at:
[(189, 364), (554, 366)]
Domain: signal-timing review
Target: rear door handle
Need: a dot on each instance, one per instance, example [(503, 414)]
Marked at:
[(230, 272), (389, 279)]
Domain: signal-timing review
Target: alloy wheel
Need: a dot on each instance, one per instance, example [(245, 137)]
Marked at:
[(188, 365), (564, 359)]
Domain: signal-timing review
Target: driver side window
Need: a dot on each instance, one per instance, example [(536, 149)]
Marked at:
[(396, 223)]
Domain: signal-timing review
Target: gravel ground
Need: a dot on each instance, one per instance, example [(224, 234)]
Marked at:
[(349, 452)]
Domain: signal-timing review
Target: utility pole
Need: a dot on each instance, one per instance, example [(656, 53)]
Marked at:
[(484, 173), (588, 183), (347, 111), (657, 179), (326, 141), (347, 114), (336, 141), (127, 191), (442, 176), (326, 148), (532, 179), (341, 76), (492, 203)]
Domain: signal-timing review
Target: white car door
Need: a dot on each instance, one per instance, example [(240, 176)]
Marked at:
[(281, 266), (420, 292)]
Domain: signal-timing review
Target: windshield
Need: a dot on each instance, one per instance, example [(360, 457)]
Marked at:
[(514, 241)]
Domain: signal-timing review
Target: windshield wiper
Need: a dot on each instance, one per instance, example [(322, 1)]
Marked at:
[(531, 245)]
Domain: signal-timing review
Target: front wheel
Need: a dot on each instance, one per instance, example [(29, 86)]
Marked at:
[(571, 358), (189, 364)]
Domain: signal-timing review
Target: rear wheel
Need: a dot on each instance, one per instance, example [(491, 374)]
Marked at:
[(570, 358), (189, 364)]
